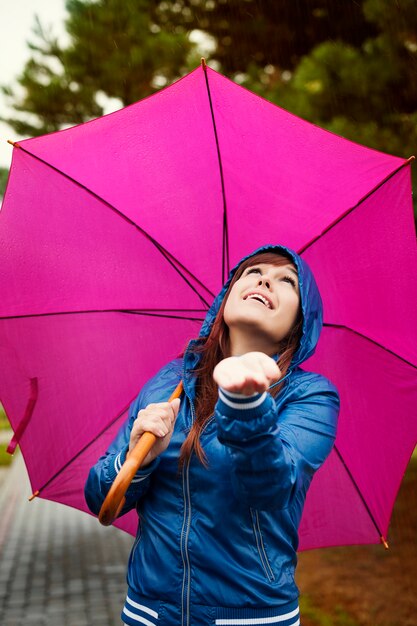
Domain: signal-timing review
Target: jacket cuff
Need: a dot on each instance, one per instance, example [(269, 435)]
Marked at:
[(243, 407), (116, 465)]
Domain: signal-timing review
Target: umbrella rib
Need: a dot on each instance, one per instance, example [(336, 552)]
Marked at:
[(348, 211), (165, 253), (355, 484), (80, 452), (376, 343), (163, 313), (225, 241)]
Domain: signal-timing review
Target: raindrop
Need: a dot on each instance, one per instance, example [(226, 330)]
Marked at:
[(159, 81)]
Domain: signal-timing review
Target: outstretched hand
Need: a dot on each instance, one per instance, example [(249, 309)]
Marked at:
[(247, 374)]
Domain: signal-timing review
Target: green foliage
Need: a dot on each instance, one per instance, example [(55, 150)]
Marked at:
[(4, 422), (349, 67), (51, 97), (126, 49), (115, 49), (366, 93), (5, 457), (3, 180), (266, 32), (343, 89), (357, 90)]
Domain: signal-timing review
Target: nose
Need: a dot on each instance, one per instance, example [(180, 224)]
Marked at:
[(265, 281)]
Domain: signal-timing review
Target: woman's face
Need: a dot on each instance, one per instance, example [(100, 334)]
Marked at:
[(264, 302)]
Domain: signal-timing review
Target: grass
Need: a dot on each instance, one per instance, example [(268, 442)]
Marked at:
[(5, 457), (4, 422), (319, 617)]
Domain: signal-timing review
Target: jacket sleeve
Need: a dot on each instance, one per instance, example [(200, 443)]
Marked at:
[(104, 472), (275, 452)]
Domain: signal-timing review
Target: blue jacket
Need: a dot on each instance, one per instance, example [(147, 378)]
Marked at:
[(221, 541)]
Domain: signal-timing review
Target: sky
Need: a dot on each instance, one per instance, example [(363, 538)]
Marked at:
[(17, 18)]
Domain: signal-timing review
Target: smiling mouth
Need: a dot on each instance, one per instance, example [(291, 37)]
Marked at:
[(259, 298)]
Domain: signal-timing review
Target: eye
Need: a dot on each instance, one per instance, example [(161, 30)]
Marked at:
[(289, 279), (253, 270)]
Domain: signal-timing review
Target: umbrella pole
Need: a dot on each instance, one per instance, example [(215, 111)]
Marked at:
[(115, 499)]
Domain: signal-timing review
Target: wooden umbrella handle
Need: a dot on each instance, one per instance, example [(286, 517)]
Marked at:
[(115, 499)]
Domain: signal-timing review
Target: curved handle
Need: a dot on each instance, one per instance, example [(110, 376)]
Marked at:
[(115, 499)]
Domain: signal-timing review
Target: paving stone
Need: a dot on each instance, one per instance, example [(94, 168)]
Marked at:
[(58, 566), (10, 621)]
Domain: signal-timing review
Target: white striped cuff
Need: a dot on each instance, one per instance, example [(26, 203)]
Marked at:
[(118, 466), (240, 401)]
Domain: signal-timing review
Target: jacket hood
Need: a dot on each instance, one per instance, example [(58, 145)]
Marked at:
[(311, 303)]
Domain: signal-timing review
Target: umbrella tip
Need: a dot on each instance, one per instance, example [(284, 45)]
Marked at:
[(411, 158), (13, 143), (203, 63), (384, 542), (34, 495)]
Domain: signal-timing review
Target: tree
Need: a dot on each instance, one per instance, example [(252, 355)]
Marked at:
[(347, 65), (3, 180), (115, 49), (267, 32), (367, 93), (126, 49)]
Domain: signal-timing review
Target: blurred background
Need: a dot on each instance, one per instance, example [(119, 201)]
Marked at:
[(349, 66)]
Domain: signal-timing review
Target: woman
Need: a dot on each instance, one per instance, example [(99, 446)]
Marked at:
[(220, 496)]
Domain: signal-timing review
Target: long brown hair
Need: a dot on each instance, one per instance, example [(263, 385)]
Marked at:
[(216, 346)]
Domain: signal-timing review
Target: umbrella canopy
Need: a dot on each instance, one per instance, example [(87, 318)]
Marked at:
[(116, 234)]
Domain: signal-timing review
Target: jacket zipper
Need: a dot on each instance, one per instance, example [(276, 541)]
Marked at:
[(186, 579), (211, 419)]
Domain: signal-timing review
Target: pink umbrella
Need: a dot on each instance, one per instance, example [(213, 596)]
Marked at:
[(116, 234)]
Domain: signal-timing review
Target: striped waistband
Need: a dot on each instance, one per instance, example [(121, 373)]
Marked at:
[(285, 615), (139, 610)]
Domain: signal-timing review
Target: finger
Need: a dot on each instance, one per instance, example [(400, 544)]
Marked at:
[(157, 407), (175, 407), (161, 410), (251, 387), (151, 423), (272, 371), (160, 430), (229, 373), (232, 383), (259, 379), (257, 384), (266, 364), (247, 387)]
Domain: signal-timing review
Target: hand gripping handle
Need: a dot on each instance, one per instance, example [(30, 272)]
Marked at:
[(115, 499)]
